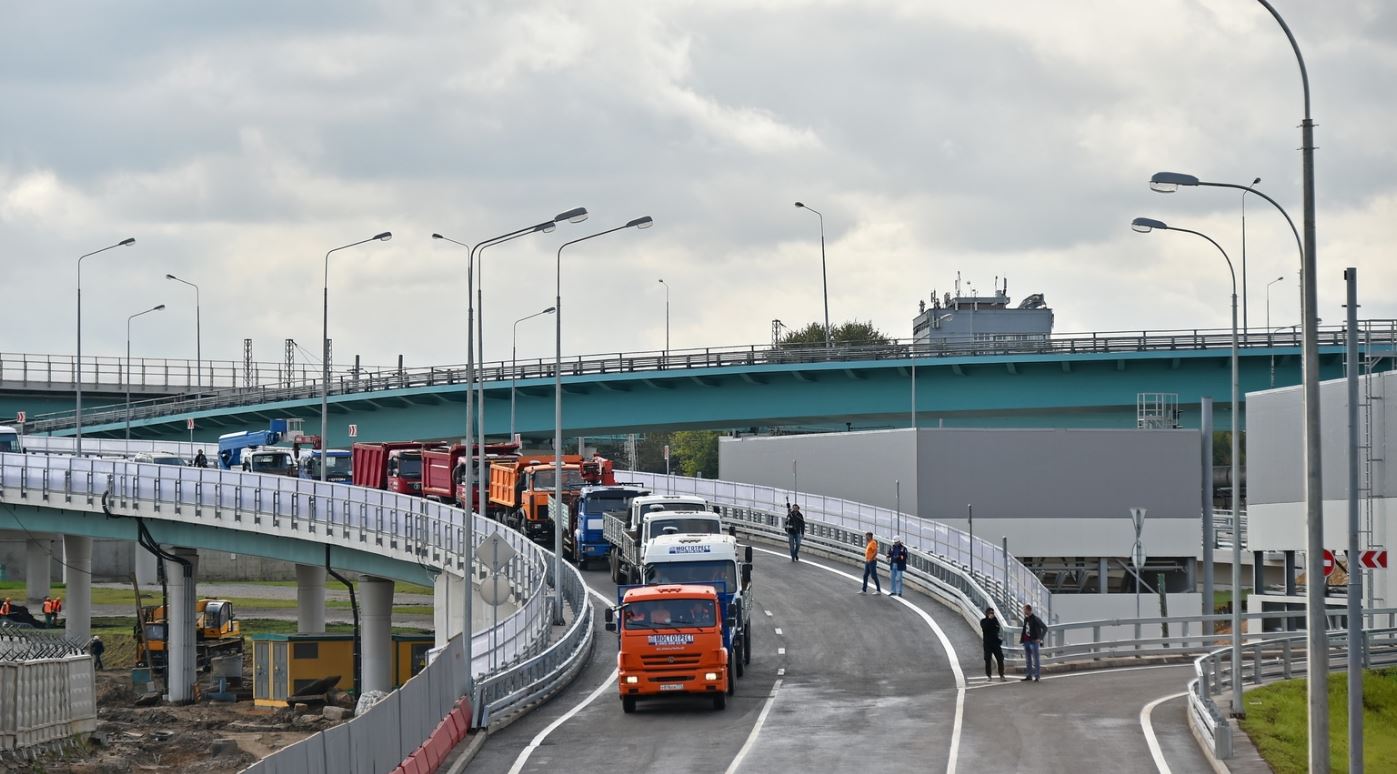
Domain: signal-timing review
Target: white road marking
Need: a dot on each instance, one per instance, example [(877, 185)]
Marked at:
[(1082, 673), (945, 645), (608, 682), (1148, 728), (780, 651), (768, 613), (778, 631), (756, 729), (781, 672)]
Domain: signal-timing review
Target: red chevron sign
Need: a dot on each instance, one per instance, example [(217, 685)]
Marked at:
[(1373, 559)]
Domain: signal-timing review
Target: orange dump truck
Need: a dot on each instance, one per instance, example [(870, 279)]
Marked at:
[(671, 644), (520, 488)]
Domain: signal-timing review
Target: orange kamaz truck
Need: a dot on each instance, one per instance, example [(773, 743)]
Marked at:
[(671, 644), (520, 489)]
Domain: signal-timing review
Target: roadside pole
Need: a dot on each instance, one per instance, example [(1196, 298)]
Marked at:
[(1355, 577)]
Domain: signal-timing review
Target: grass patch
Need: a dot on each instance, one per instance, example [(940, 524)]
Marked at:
[(400, 587), (1277, 723)]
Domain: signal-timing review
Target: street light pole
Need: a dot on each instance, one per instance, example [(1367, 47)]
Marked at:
[(513, 364), (198, 334), (127, 378), (639, 223), (1268, 327), (77, 365), (1144, 226), (325, 352), (666, 284), (824, 275), (1246, 320)]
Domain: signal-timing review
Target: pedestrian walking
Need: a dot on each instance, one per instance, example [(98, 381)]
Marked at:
[(795, 530), (992, 633), (1031, 636), (97, 648), (200, 461), (897, 565), (870, 563), (48, 611)]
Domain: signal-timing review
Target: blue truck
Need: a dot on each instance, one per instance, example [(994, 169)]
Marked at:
[(338, 465), (243, 450), (584, 541)]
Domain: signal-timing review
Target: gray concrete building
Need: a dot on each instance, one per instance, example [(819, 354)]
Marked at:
[(966, 320)]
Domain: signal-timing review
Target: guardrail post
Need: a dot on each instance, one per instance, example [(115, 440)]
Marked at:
[(1287, 656)]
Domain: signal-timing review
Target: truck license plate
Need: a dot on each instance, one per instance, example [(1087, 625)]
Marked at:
[(672, 686)]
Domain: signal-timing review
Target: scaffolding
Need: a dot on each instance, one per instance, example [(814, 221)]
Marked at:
[(1157, 411)]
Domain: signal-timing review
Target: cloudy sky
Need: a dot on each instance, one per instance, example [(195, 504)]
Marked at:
[(995, 139)]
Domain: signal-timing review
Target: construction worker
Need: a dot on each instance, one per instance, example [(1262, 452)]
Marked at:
[(48, 611), (57, 608), (6, 607)]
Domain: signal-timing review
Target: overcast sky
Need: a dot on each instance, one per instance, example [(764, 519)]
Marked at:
[(1013, 139)]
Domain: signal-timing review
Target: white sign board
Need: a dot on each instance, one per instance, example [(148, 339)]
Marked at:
[(353, 431), (494, 589), (19, 417), (189, 423), (494, 552)]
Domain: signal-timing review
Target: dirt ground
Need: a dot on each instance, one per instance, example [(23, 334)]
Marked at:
[(175, 739)]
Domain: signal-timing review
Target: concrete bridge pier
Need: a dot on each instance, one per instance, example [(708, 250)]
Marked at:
[(77, 604), (447, 605), (36, 574), (182, 659), (376, 633), (310, 599), (145, 566)]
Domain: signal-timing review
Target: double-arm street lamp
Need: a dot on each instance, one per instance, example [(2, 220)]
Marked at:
[(824, 275), (514, 363), (325, 353), (558, 517), (198, 334), (129, 318), (77, 365), (1144, 226)]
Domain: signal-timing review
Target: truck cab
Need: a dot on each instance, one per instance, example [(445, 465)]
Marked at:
[(584, 539), (626, 534), (338, 465), (271, 460), (709, 559), (670, 642), (395, 467), (9, 439), (520, 490), (658, 523)]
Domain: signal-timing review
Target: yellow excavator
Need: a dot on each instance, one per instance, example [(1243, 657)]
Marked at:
[(217, 633)]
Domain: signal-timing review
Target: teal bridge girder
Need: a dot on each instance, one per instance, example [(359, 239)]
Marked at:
[(1076, 382)]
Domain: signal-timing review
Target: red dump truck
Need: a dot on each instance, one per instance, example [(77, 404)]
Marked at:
[(443, 470), (396, 467)]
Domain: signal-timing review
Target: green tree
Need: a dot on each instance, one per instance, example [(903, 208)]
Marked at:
[(695, 451), (850, 333)]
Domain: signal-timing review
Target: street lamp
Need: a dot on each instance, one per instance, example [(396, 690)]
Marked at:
[(639, 223), (513, 363), (824, 276), (77, 365), (1144, 226), (666, 284), (1268, 326), (129, 318), (198, 334), (1246, 320), (325, 353)]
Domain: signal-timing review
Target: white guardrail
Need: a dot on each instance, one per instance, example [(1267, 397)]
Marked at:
[(1002, 577)]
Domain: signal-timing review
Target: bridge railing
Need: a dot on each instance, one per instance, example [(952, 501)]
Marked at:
[(123, 447), (107, 373), (1376, 334), (1002, 576)]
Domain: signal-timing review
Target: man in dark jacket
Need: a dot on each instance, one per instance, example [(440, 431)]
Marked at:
[(897, 565), (795, 530), (991, 631), (97, 648), (1031, 636), (200, 461)]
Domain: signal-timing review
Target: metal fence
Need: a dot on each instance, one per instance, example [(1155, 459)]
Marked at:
[(45, 702), (105, 373), (1376, 334), (106, 447), (1001, 575)]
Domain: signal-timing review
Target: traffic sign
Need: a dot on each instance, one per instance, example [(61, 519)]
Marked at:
[(494, 552), (1137, 515), (189, 423), (353, 431), (19, 417), (1328, 563), (1373, 559), (494, 589), (666, 451)]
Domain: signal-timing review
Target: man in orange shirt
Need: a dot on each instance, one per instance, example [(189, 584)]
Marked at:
[(870, 563), (48, 611)]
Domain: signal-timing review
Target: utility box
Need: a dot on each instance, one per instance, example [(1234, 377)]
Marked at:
[(284, 664)]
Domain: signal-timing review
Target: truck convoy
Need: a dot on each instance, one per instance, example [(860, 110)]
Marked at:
[(584, 540), (627, 532), (671, 642)]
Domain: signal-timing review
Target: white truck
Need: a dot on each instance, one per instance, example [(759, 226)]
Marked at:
[(709, 559), (629, 531), (9, 439)]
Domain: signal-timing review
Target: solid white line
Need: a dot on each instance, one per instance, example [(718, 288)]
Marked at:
[(778, 631), (1148, 728), (982, 683), (780, 651), (950, 656), (756, 729), (768, 613), (608, 682)]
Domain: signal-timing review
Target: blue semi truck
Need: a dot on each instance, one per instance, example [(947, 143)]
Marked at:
[(583, 541)]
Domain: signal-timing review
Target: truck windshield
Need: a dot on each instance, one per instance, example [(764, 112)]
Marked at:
[(602, 502), (270, 463), (685, 526), (670, 614), (9, 442), (652, 507), (693, 572), (544, 479), (410, 467)]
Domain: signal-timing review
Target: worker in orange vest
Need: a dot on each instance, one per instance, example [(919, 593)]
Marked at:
[(6, 607), (48, 611), (57, 608)]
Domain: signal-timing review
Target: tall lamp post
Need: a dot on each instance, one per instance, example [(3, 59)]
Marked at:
[(1246, 320), (1268, 327), (824, 275), (514, 360), (325, 352), (198, 334), (639, 223), (77, 366), (1145, 226), (129, 318), (666, 284)]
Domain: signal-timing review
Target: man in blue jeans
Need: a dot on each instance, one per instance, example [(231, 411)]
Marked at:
[(870, 563), (897, 565), (795, 530), (1031, 637)]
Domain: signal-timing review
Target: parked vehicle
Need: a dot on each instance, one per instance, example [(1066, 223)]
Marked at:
[(337, 465), (9, 439), (671, 642), (396, 467), (160, 458)]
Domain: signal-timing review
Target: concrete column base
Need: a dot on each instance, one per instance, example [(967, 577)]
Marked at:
[(78, 603), (310, 599), (144, 564), (36, 574), (447, 607), (181, 670), (376, 633)]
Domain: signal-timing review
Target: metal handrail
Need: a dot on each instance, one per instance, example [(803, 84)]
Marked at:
[(31, 370), (350, 381)]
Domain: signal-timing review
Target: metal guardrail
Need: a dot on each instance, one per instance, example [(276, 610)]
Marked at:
[(1002, 577), (1273, 656), (121, 447), (1223, 528), (100, 372), (1381, 333)]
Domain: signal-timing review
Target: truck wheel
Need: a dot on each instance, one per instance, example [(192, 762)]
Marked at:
[(738, 660), (615, 568), (720, 702), (747, 645), (628, 704), (732, 676)]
